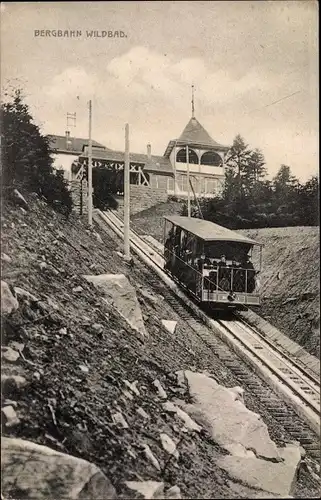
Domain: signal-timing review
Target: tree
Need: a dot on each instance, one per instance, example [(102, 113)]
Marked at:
[(237, 159), (106, 183), (26, 155), (254, 171), (284, 183), (286, 190), (308, 202), (231, 185)]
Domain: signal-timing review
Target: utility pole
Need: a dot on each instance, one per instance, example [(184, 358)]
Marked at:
[(188, 185), (90, 170), (193, 108), (175, 173), (126, 195)]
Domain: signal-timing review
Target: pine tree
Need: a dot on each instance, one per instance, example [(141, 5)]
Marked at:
[(26, 155), (237, 160), (308, 202), (254, 172)]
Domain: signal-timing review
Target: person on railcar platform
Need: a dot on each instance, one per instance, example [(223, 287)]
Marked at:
[(236, 275), (224, 274), (248, 275)]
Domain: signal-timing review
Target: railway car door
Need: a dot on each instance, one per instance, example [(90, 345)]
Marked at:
[(168, 243), (188, 256), (199, 281), (176, 250)]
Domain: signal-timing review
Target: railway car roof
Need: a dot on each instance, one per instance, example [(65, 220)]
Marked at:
[(209, 231)]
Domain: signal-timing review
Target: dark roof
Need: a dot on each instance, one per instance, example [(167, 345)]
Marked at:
[(194, 134), (209, 231), (158, 164), (76, 144)]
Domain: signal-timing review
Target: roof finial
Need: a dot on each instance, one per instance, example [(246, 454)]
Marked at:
[(193, 102)]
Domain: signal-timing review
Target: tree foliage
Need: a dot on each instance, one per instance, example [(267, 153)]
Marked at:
[(106, 183), (26, 156), (250, 200)]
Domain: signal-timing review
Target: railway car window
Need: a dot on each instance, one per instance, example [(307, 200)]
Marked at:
[(190, 247), (184, 245), (169, 235), (177, 240)]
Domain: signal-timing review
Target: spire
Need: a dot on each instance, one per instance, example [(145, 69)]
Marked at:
[(193, 115)]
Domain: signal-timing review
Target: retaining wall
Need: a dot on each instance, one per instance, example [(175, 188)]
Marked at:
[(79, 191), (141, 197)]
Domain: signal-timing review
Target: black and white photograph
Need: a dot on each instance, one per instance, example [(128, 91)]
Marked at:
[(160, 255)]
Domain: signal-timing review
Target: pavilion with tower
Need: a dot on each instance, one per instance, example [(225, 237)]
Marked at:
[(197, 156), (194, 156)]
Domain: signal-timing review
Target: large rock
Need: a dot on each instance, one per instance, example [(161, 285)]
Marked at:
[(38, 472), (169, 325), (120, 293), (148, 489), (8, 302), (277, 478), (19, 199), (222, 412)]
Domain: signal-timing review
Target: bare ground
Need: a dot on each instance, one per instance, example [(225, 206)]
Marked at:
[(290, 276), (70, 410)]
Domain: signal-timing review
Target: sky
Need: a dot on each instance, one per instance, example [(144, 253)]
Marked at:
[(254, 66)]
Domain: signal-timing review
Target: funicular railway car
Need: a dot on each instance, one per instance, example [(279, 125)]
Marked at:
[(213, 263)]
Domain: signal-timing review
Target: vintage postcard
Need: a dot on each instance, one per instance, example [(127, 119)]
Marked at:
[(160, 332)]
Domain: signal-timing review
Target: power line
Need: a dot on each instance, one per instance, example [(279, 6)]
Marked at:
[(275, 102)]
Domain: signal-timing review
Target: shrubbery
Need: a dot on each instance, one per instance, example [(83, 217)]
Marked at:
[(106, 183), (26, 158), (249, 200)]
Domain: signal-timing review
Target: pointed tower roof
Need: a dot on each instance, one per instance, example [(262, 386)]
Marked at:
[(194, 134)]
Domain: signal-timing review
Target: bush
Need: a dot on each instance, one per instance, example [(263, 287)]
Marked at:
[(26, 156), (106, 183), (55, 190)]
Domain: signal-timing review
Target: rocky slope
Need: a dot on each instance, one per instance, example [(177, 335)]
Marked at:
[(290, 276), (290, 282), (81, 381)]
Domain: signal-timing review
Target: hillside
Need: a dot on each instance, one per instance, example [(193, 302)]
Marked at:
[(290, 282), (151, 221), (80, 362), (290, 276)]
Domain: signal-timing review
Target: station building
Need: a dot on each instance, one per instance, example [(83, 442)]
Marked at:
[(153, 177)]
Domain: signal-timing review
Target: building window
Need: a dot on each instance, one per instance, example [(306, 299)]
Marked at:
[(211, 158), (201, 185), (170, 184), (195, 183), (139, 178), (192, 156), (183, 183), (211, 185)]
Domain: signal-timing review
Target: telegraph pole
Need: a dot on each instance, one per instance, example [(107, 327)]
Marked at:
[(90, 170), (175, 173), (188, 185), (126, 195), (193, 108), (187, 164)]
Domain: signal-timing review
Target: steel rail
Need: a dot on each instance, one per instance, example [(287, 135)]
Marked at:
[(291, 380)]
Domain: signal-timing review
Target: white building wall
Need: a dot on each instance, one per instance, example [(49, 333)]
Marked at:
[(208, 181), (63, 162), (200, 169)]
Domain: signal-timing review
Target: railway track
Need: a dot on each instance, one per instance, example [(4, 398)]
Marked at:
[(297, 409)]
